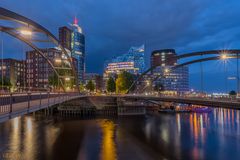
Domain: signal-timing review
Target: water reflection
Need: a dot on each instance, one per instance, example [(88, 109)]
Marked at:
[(15, 138), (24, 138), (212, 135), (195, 135), (108, 146), (29, 140)]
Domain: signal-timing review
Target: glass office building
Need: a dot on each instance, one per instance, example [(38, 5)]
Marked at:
[(132, 61), (73, 40), (173, 79), (78, 49), (136, 54)]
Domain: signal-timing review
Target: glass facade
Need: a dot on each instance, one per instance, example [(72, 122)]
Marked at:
[(121, 66), (173, 80), (135, 57), (78, 50), (136, 54)]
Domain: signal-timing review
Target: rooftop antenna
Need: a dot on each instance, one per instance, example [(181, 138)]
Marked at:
[(75, 20)]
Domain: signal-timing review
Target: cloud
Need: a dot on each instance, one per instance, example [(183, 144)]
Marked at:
[(111, 27)]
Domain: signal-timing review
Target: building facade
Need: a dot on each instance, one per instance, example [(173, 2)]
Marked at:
[(13, 71), (73, 40), (78, 49), (165, 57), (118, 67), (65, 37), (38, 70), (172, 80), (133, 62)]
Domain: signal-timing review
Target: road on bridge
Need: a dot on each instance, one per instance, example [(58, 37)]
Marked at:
[(234, 104), (12, 105)]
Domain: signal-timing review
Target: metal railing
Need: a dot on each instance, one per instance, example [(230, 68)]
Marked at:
[(15, 103)]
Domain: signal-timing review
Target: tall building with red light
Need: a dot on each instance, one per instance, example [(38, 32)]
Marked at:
[(73, 39)]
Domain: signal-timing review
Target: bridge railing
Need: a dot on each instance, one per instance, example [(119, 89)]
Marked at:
[(11, 103), (211, 98)]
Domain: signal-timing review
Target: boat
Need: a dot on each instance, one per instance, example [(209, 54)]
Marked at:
[(172, 111), (201, 109)]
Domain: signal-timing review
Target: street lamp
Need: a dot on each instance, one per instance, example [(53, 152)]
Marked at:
[(67, 79), (148, 83), (58, 60), (26, 32), (223, 56), (166, 70)]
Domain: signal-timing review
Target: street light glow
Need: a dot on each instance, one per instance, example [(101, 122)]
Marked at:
[(148, 83), (224, 56), (67, 79), (58, 60), (26, 32), (166, 70)]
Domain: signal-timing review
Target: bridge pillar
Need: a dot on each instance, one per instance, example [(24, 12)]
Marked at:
[(129, 107), (40, 100), (11, 102), (28, 101)]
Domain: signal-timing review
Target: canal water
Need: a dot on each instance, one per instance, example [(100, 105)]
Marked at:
[(184, 136)]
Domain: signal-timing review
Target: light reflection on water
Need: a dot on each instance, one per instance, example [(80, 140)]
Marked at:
[(15, 138), (213, 135), (108, 146)]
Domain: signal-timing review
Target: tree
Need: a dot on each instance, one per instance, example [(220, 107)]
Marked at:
[(81, 87), (6, 82), (53, 80), (124, 82), (90, 86), (158, 87), (111, 85), (232, 93)]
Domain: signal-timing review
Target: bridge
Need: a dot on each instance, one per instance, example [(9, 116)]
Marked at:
[(210, 102), (18, 104), (31, 99), (22, 28), (221, 55), (13, 105)]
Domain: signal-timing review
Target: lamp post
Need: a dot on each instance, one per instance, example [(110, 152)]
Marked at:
[(237, 75), (201, 68), (235, 78), (224, 58), (2, 61)]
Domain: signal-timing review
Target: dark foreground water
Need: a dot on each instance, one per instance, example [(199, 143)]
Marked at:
[(211, 136)]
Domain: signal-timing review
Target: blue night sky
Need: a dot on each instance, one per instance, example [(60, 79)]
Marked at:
[(112, 26)]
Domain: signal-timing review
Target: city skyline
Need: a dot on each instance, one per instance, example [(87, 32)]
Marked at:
[(107, 80), (195, 32)]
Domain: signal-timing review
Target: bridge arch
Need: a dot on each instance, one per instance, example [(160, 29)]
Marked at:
[(9, 32), (202, 53), (229, 52), (12, 16)]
